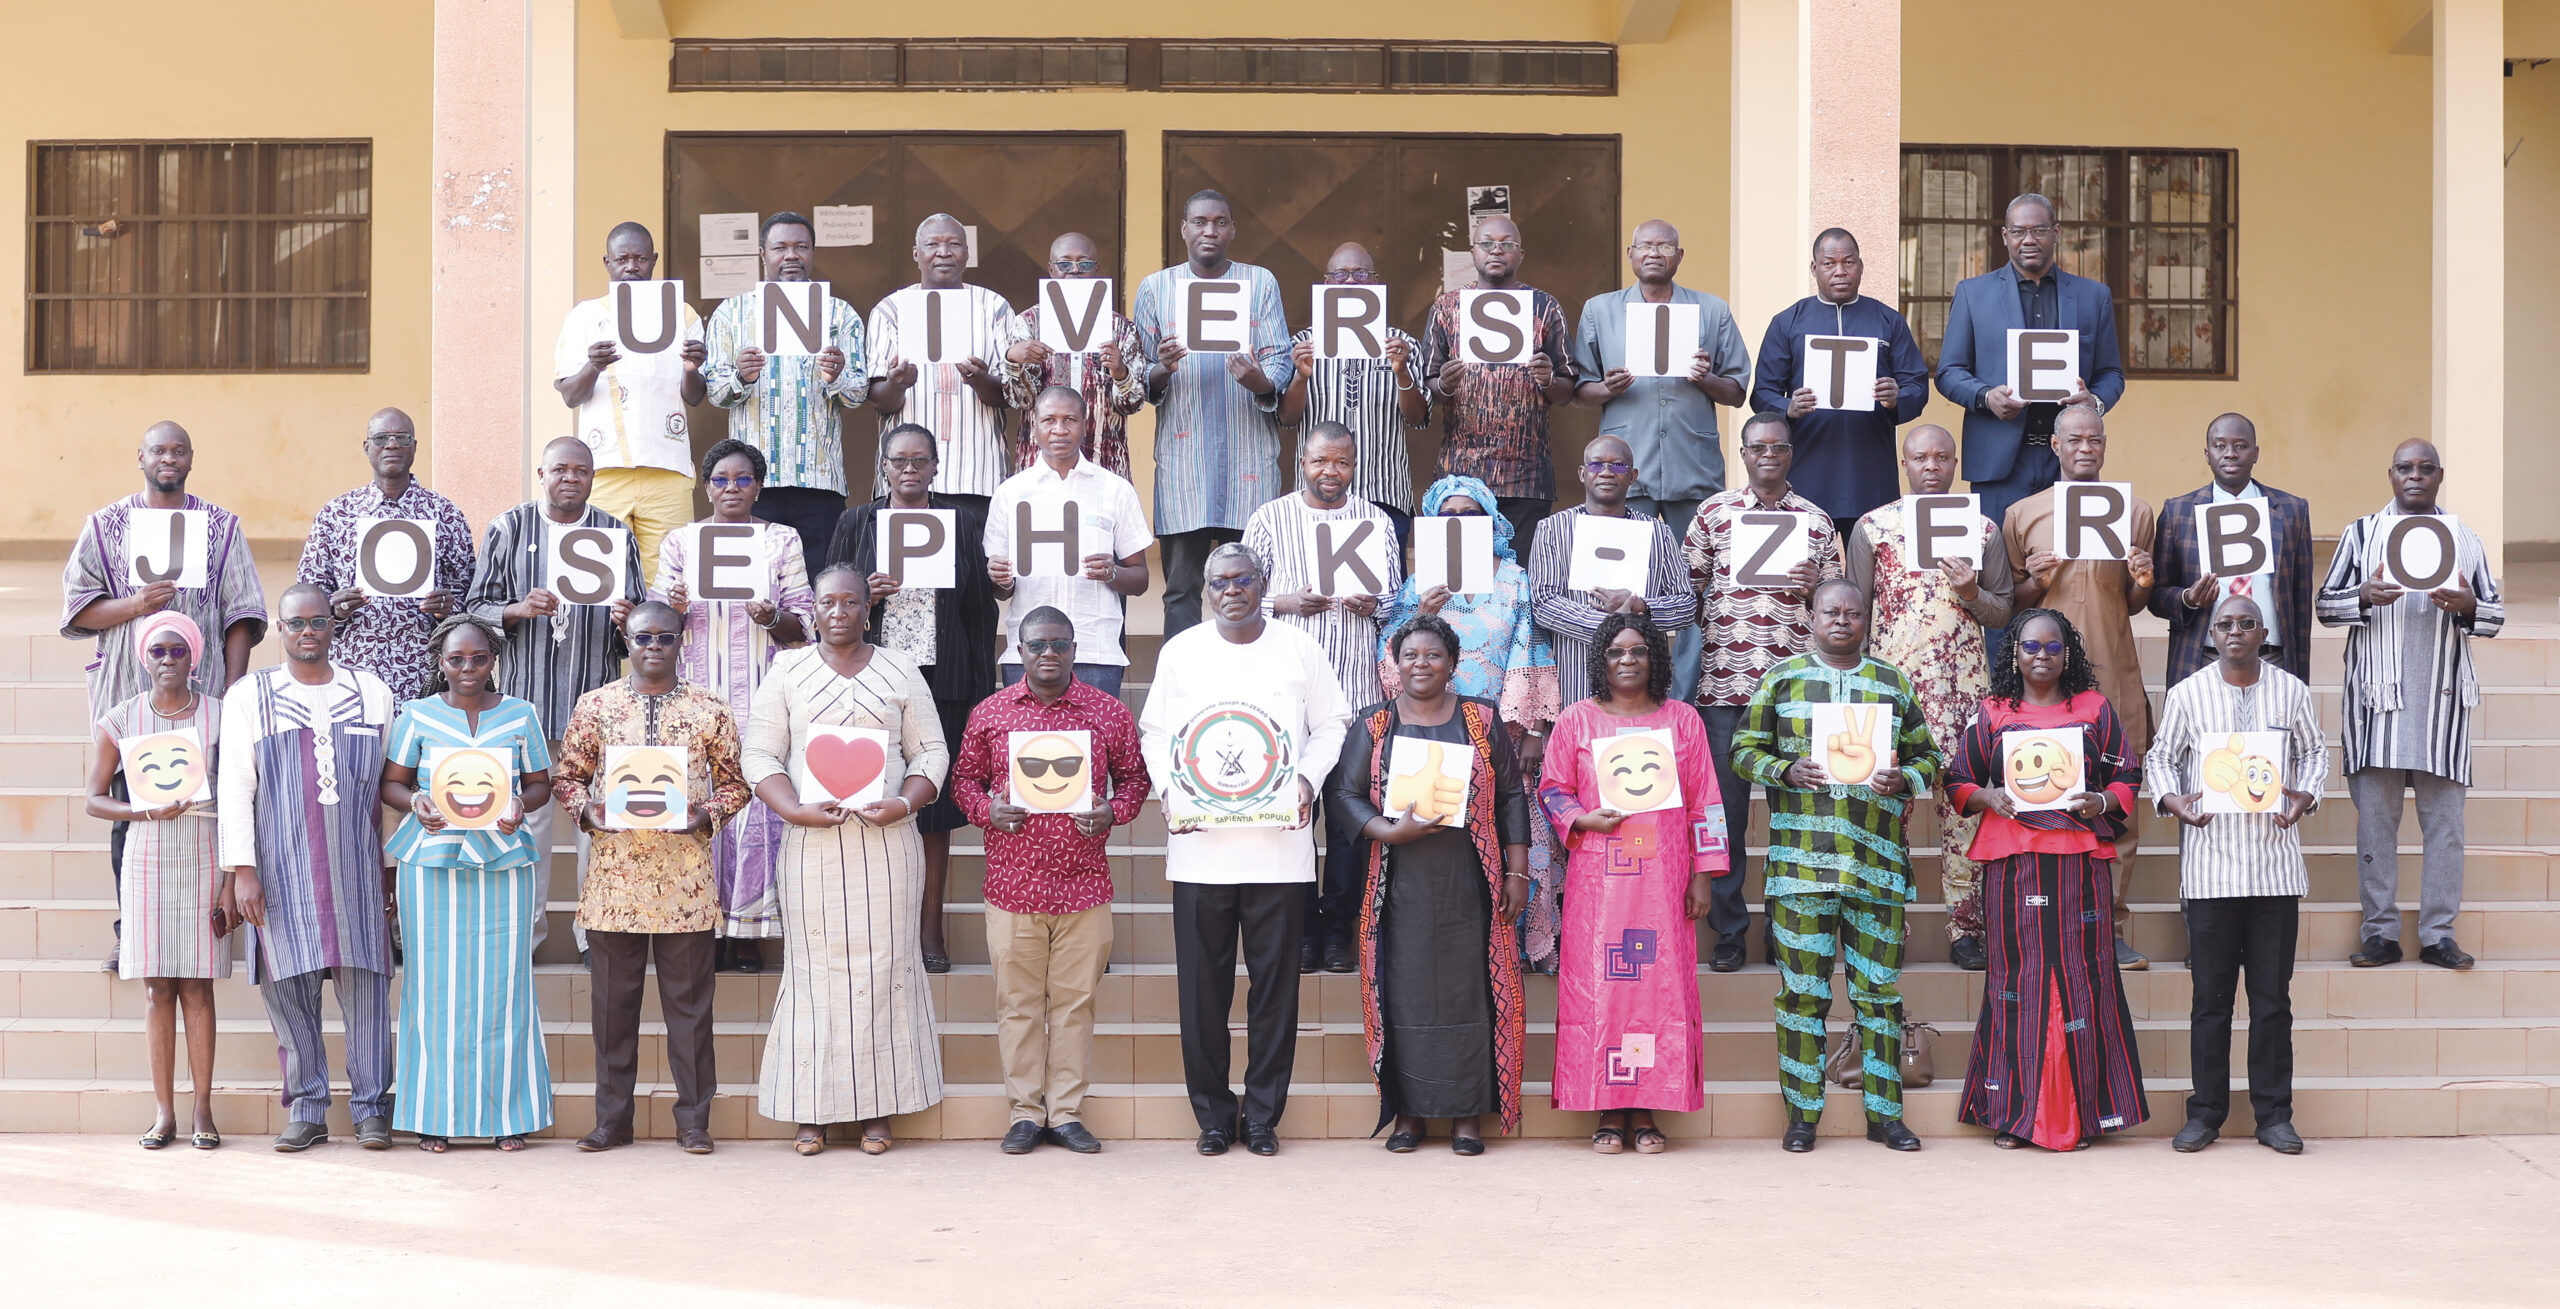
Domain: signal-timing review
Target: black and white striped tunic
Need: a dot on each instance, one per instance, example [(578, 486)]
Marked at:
[(2411, 685)]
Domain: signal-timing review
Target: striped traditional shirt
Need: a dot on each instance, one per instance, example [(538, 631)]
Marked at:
[(351, 696), (97, 571), (976, 444), (2238, 854), (1748, 629), (1217, 444), (789, 413), (2411, 685), (1570, 618), (1363, 395), (1840, 839), (553, 660), (1107, 402), (1278, 533)]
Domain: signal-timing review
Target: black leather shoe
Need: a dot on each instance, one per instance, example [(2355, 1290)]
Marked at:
[(374, 1133), (1339, 957), (601, 1140), (1469, 1146), (1403, 1142), (2445, 954), (2196, 1135), (694, 1140), (1969, 954), (1894, 1134), (1259, 1139), (2281, 1138), (1798, 1140), (1310, 955), (1727, 957), (1023, 1137), (2376, 953), (1075, 1137), (1213, 1141), (298, 1137)]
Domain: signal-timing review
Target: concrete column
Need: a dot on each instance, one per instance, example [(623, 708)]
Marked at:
[(477, 334), (2469, 412), (551, 212)]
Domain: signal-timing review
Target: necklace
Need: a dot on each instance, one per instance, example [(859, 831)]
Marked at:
[(193, 697)]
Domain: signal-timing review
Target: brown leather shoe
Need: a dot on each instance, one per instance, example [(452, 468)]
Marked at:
[(694, 1140), (600, 1140)]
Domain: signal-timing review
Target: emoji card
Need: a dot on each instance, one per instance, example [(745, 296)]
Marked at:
[(1636, 771), (167, 768), (2242, 772), (644, 788), (2044, 767), (1852, 742), (1052, 772), (1429, 778), (470, 787), (843, 765)]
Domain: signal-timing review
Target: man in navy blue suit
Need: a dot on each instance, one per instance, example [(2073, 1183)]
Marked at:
[(2008, 442)]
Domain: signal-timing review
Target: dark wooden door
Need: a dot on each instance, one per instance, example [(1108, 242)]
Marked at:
[(1020, 190), (1405, 197)]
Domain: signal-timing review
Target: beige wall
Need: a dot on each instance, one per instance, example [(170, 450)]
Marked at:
[(2333, 183), (2533, 301), (271, 448)]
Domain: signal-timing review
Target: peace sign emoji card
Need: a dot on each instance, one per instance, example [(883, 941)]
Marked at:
[(1429, 778), (1852, 742)]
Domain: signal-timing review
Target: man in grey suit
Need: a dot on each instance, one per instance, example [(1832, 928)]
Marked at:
[(2008, 442)]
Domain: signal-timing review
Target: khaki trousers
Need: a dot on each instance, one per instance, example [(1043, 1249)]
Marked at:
[(1046, 968)]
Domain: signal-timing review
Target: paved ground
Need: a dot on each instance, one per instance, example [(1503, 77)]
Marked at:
[(92, 1220)]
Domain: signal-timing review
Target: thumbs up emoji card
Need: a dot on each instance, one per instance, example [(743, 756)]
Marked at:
[(1429, 778)]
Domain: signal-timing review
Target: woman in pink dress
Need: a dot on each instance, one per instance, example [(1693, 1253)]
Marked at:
[(1645, 826)]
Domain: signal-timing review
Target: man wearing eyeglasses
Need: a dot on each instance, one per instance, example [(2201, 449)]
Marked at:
[(1109, 377), (1376, 400), (1572, 617), (2008, 443), (1495, 415), (1110, 553), (387, 635), (1217, 426), (1048, 880), (631, 408), (960, 401)]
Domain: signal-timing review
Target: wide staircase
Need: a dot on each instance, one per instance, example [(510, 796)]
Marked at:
[(2401, 1051)]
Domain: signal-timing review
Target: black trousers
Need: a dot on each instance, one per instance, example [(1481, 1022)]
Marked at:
[(1525, 515), (811, 511), (1333, 901), (1208, 921), (618, 962), (1185, 555), (1729, 914), (2225, 938)]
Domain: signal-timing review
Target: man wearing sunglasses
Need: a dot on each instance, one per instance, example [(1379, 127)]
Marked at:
[(1109, 376), (1048, 880), (1572, 618), (387, 635), (631, 407), (1376, 400), (1494, 424), (960, 400)]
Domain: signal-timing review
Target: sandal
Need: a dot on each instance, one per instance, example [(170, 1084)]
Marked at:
[(1650, 1140), (433, 1144), (2007, 1140), (1609, 1140), (812, 1140), (158, 1138), (876, 1144), (750, 957), (510, 1144), (207, 1140)]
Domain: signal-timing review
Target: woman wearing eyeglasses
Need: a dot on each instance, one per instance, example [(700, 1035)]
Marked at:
[(468, 763), (2053, 774), (852, 1036), (727, 646), (175, 904)]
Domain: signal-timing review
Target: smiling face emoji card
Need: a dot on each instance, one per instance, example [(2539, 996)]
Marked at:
[(1052, 771), (166, 768), (644, 788), (2240, 773), (2042, 767), (1636, 771), (469, 787)]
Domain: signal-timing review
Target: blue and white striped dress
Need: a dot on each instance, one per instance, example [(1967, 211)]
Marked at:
[(471, 1060)]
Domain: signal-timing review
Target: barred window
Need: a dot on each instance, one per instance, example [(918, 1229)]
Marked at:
[(2158, 227), (199, 256)]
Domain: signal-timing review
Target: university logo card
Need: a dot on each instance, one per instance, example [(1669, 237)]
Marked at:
[(1616, 553), (2236, 538), (1348, 556), (2093, 520), (795, 318), (471, 787), (1234, 765), (1937, 528), (919, 547), (1496, 327), (644, 788), (1075, 314), (1841, 370), (933, 328), (2044, 363), (1766, 544), (648, 317), (1852, 742), (2420, 552), (1351, 322), (1636, 771), (727, 564), (1455, 551), (167, 545), (395, 557), (1051, 772), (1661, 339), (1215, 316), (584, 565), (846, 766), (166, 768), (2044, 767), (2242, 772), (1429, 779)]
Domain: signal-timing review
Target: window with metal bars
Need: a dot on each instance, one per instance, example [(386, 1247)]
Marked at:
[(1139, 64), (2159, 227), (199, 256)]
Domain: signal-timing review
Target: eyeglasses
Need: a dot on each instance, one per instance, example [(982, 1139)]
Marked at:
[(1654, 248), (165, 654), (2236, 624), (1065, 645), (1498, 247), (1609, 466), (1222, 585), (1349, 276), (1074, 265), (655, 640), (391, 438), (2055, 648), (1065, 768), (909, 463), (734, 483), (1462, 513), (469, 662), (321, 624), (2046, 231), (1768, 447)]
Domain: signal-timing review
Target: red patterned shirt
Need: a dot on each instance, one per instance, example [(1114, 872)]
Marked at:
[(1049, 867), (1747, 630)]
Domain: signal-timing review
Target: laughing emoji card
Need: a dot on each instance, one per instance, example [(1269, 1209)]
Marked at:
[(644, 788), (1052, 772), (2043, 767), (470, 787)]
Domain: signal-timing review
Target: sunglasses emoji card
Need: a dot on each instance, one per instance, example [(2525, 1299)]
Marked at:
[(1852, 742), (2243, 772), (846, 766), (644, 788), (1637, 772), (2043, 768), (1429, 778), (166, 768), (1051, 772), (470, 787)]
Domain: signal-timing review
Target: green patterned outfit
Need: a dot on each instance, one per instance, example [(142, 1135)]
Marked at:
[(1838, 871)]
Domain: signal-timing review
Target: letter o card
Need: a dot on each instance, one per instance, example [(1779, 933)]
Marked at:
[(395, 557), (2421, 552), (2093, 520), (727, 563), (585, 565), (1215, 316), (1937, 528), (1496, 327), (1351, 322), (1841, 370), (1075, 314), (167, 545), (920, 548)]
